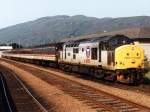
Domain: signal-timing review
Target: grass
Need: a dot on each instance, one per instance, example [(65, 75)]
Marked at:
[(147, 78), (147, 75)]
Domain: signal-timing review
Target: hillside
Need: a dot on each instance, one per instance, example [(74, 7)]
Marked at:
[(53, 29)]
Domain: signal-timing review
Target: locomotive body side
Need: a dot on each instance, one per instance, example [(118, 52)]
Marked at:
[(82, 54)]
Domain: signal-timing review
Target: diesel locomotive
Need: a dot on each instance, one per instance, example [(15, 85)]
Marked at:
[(112, 57)]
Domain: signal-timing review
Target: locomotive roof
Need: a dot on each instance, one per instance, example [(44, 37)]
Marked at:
[(108, 38)]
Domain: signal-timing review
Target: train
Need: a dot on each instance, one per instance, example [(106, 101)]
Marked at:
[(111, 57)]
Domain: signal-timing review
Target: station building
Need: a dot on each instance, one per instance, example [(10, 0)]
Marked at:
[(145, 44)]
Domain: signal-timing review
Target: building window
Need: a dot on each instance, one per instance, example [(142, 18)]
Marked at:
[(94, 53)]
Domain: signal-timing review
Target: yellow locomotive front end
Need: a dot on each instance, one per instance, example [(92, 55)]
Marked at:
[(129, 63)]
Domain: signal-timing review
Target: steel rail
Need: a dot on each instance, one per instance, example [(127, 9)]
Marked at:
[(25, 88), (5, 94)]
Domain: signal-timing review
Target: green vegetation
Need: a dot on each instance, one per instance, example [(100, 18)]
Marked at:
[(147, 77), (15, 45), (3, 44)]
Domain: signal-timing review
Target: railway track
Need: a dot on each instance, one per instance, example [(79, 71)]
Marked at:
[(23, 100), (7, 104), (94, 98), (143, 88)]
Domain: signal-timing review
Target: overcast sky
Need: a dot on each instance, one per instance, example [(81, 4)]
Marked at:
[(18, 11)]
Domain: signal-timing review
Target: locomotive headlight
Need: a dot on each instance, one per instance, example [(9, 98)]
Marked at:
[(133, 61)]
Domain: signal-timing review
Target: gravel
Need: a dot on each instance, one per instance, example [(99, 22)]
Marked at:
[(134, 96), (54, 100)]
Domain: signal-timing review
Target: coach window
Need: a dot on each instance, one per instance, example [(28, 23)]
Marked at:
[(94, 53)]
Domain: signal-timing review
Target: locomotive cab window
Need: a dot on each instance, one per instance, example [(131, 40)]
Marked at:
[(94, 53)]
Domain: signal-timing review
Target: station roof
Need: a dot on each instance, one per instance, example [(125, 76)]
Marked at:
[(137, 32), (142, 40)]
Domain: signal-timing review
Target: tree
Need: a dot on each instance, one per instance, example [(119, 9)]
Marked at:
[(3, 44), (15, 45)]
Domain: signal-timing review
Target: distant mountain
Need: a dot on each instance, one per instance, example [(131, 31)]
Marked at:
[(53, 29)]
